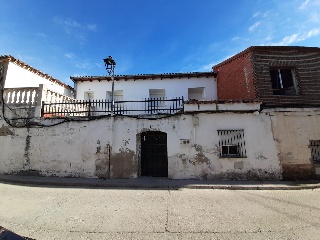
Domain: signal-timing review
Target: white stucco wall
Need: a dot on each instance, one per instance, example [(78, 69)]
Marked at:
[(18, 77), (81, 148), (139, 89)]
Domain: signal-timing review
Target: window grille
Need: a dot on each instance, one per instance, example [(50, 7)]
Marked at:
[(315, 151), (232, 144)]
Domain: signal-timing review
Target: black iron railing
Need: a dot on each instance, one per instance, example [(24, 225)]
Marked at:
[(104, 107)]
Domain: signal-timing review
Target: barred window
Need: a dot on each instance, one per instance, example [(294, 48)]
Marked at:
[(315, 151), (231, 143)]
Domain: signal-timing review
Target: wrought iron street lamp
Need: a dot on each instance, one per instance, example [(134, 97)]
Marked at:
[(110, 65)]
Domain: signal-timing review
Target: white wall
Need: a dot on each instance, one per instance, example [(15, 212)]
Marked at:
[(81, 148), (139, 89), (18, 77)]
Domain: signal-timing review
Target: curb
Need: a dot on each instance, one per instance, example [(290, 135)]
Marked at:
[(155, 183)]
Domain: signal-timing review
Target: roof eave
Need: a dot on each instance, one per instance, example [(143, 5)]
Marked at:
[(9, 58), (145, 76)]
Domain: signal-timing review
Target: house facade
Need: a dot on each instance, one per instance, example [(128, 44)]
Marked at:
[(142, 94), (205, 139), (250, 118), (287, 82), (197, 85)]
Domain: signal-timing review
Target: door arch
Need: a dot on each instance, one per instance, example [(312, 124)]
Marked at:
[(154, 154)]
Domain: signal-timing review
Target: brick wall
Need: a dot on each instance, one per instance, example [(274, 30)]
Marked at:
[(306, 64), (247, 75), (234, 79)]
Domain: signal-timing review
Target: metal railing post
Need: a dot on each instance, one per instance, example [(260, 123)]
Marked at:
[(89, 111)]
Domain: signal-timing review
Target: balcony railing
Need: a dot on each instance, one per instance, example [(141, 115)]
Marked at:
[(104, 107), (21, 97), (33, 97)]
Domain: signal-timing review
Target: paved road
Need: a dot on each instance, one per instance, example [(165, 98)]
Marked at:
[(42, 212)]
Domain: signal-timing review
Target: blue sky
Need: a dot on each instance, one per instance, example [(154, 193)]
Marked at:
[(66, 38)]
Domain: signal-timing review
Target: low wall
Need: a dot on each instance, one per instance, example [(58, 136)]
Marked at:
[(110, 147)]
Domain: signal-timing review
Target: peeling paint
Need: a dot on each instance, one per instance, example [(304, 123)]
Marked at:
[(123, 164), (102, 169), (200, 156), (102, 163), (26, 150), (126, 142), (238, 165), (5, 131), (259, 156), (202, 159)]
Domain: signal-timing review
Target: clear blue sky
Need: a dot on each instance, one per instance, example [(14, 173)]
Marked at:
[(66, 38)]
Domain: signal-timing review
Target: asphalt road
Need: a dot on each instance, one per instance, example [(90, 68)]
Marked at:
[(84, 213)]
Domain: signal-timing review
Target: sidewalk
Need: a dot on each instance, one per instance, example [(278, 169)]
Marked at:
[(158, 183)]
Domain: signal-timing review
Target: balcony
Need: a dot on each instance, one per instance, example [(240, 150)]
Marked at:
[(91, 108)]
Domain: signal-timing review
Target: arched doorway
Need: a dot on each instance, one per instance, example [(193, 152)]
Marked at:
[(154, 155)]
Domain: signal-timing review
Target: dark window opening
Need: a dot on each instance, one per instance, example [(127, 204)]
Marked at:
[(230, 150), (283, 82)]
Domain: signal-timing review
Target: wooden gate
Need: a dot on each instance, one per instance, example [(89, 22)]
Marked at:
[(154, 156)]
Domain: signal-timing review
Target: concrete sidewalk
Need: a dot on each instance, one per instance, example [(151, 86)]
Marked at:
[(159, 183)]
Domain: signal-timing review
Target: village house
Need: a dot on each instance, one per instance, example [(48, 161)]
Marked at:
[(26, 87), (145, 93), (197, 85), (287, 82), (253, 117)]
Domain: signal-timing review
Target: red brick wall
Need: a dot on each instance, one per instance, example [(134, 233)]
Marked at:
[(235, 78)]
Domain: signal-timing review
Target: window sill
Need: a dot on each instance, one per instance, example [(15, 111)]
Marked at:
[(233, 156)]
